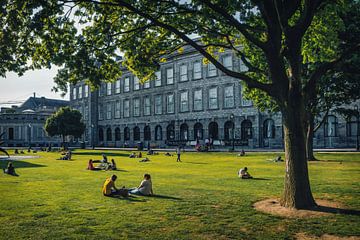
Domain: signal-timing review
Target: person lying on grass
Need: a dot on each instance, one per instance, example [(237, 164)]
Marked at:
[(243, 173), (145, 187), (112, 165), (91, 166), (109, 189), (10, 169), (145, 160)]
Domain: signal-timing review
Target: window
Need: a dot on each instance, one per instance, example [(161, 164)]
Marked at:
[(86, 113), (184, 132), (269, 128), (158, 104), (80, 92), (108, 88), (245, 102), (147, 84), (147, 106), (74, 93), (246, 130), (86, 90), (170, 132), (100, 90), (127, 84), (183, 73), (330, 126), (108, 111), (126, 108), (136, 83), (198, 102), (101, 135), (100, 111), (147, 133), (117, 109), (117, 134), (211, 70), (136, 133), (197, 70), (117, 86), (198, 131), (108, 134), (227, 62), (158, 132), (136, 107), (170, 105), (170, 76), (351, 127), (213, 98), (184, 101), (229, 96), (158, 79), (126, 134)]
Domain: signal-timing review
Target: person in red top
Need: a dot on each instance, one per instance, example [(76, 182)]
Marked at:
[(91, 166)]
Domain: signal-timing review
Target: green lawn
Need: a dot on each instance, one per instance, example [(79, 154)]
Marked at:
[(200, 198)]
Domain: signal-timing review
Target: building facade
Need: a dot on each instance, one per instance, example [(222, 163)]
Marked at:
[(187, 102), (24, 125)]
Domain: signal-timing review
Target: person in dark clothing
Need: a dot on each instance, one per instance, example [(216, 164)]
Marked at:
[(10, 169)]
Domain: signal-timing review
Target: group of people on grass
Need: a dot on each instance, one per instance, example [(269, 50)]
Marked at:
[(104, 164), (145, 188)]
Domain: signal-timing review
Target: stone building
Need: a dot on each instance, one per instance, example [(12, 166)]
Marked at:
[(24, 125), (187, 102)]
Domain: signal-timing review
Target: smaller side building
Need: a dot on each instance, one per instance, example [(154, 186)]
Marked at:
[(24, 125)]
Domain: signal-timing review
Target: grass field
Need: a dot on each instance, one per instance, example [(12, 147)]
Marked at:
[(200, 198)]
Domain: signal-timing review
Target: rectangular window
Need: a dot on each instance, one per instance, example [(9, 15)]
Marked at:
[(108, 111), (100, 112), (126, 108), (158, 104), (245, 102), (227, 62), (197, 70), (198, 102), (158, 79), (147, 106), (170, 76), (211, 70), (136, 107), (127, 84), (243, 67), (183, 73), (213, 98), (170, 104), (101, 89), (229, 97), (80, 92), (136, 83), (117, 109), (184, 101), (86, 90), (108, 88), (86, 113), (74, 93), (117, 86), (147, 84)]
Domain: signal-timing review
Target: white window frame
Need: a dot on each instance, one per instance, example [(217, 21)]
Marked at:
[(158, 79), (229, 98), (127, 84), (108, 88), (126, 108), (183, 72), (117, 109), (158, 104), (86, 90), (196, 100), (169, 76), (117, 86), (170, 105), (136, 83), (184, 101), (212, 70), (136, 104), (212, 98), (147, 106), (228, 62), (197, 74)]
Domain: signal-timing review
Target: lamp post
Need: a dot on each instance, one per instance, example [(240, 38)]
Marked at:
[(29, 135), (356, 108), (92, 136), (233, 131)]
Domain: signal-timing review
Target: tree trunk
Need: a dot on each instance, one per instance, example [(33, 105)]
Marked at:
[(297, 193), (310, 139)]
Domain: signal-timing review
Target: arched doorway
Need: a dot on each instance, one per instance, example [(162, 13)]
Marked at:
[(214, 130), (147, 133), (198, 131), (117, 134), (126, 134), (158, 133), (11, 133), (101, 135), (229, 127), (170, 132), (184, 132), (246, 130), (136, 133), (108, 134)]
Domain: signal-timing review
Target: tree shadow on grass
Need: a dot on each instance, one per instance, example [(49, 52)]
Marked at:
[(19, 164), (100, 154), (164, 197), (335, 210), (130, 198), (260, 179), (196, 163)]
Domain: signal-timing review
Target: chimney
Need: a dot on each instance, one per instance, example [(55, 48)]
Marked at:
[(34, 94)]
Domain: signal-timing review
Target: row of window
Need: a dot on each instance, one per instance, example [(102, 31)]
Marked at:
[(158, 103)]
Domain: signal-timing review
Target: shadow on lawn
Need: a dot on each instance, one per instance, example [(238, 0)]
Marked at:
[(195, 163), (19, 164), (164, 197), (100, 154), (260, 178), (335, 210)]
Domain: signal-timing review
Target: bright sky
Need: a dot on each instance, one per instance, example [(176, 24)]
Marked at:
[(15, 89)]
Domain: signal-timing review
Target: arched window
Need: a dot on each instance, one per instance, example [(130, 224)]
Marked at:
[(246, 130), (330, 127), (184, 132), (108, 134), (213, 131), (269, 128), (198, 131), (158, 132), (147, 133), (229, 128), (126, 134), (351, 127), (117, 134), (136, 133), (101, 134), (170, 132), (11, 134)]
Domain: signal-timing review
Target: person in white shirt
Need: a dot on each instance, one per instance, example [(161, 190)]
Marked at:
[(243, 173), (145, 187)]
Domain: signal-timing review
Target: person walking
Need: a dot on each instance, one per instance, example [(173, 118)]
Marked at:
[(178, 152)]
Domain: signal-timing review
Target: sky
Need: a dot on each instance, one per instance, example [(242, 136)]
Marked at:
[(15, 89)]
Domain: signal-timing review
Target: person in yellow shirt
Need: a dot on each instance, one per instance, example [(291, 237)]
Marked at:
[(109, 188)]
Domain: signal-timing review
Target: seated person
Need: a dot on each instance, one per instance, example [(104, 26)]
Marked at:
[(110, 190), (10, 169), (112, 165), (145, 160), (242, 153), (16, 151), (91, 166), (168, 154), (22, 152), (150, 152), (145, 187), (140, 155), (198, 147), (278, 159), (244, 174), (132, 155), (104, 160)]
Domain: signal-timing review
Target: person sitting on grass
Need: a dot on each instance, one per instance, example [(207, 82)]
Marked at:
[(10, 169), (242, 153), (243, 173), (110, 190), (140, 155), (16, 151), (145, 187), (112, 165), (104, 160), (91, 166), (132, 155), (145, 160)]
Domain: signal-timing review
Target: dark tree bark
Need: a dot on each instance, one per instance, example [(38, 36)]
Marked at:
[(310, 138)]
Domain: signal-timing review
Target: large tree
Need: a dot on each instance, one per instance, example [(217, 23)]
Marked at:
[(284, 33), (65, 122)]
